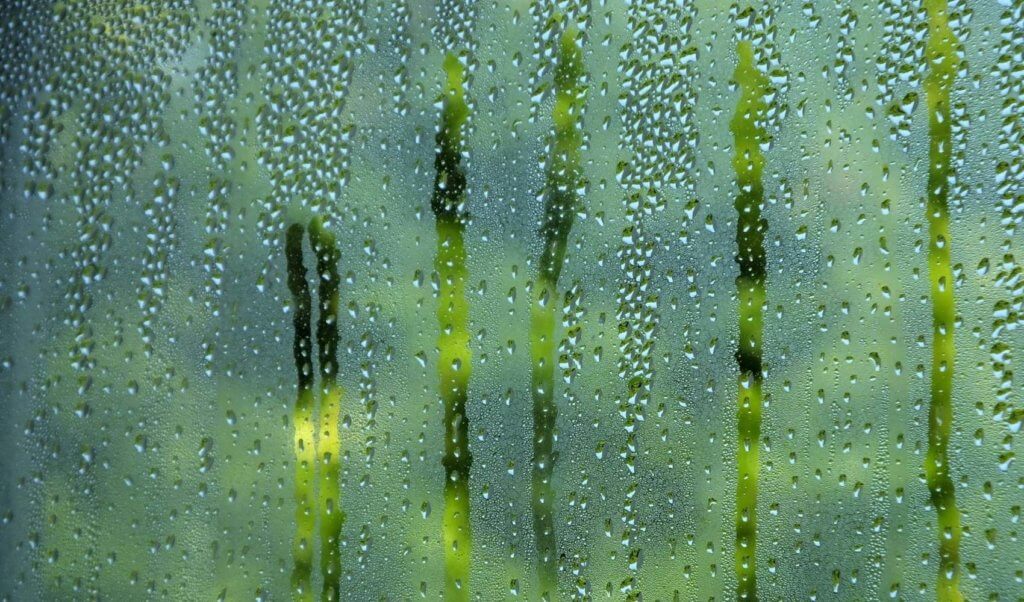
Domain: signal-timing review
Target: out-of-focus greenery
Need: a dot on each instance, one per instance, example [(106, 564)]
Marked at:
[(152, 155), (748, 128)]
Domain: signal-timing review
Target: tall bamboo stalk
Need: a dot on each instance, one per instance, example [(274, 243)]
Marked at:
[(562, 202), (943, 64), (455, 360), (748, 163), (332, 518), (302, 419)]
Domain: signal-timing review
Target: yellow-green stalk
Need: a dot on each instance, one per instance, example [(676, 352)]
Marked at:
[(748, 162), (328, 440), (943, 64), (454, 362), (302, 419), (561, 204)]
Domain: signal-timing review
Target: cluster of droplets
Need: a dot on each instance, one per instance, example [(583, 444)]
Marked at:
[(550, 19), (310, 53), (25, 34), (100, 119), (1008, 310), (637, 322), (113, 93), (845, 50), (659, 134), (570, 349), (453, 26), (658, 99), (400, 40), (369, 366), (759, 27), (45, 123), (25, 30), (900, 65), (961, 178), (161, 242), (219, 79)]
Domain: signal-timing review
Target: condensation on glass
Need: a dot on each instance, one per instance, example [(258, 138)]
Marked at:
[(399, 299)]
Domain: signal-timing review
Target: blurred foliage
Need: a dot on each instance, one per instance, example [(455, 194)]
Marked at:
[(152, 155)]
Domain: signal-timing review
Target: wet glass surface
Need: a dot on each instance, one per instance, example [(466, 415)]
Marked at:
[(393, 300)]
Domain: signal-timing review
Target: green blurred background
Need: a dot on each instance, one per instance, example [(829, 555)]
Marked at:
[(152, 155)]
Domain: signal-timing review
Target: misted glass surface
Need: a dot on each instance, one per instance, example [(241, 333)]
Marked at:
[(513, 299)]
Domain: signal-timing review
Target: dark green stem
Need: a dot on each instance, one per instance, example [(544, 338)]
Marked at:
[(943, 63), (332, 518), (304, 432), (748, 162), (562, 200), (455, 361)]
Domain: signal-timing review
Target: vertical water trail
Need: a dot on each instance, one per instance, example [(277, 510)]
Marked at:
[(561, 205), (328, 441), (943, 63), (638, 318), (658, 133), (748, 162), (454, 362), (302, 418)]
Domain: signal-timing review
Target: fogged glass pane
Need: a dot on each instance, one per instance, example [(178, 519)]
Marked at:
[(398, 299)]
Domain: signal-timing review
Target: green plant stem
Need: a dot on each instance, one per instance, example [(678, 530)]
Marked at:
[(943, 64), (562, 199), (455, 361), (332, 518), (302, 419), (748, 163)]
